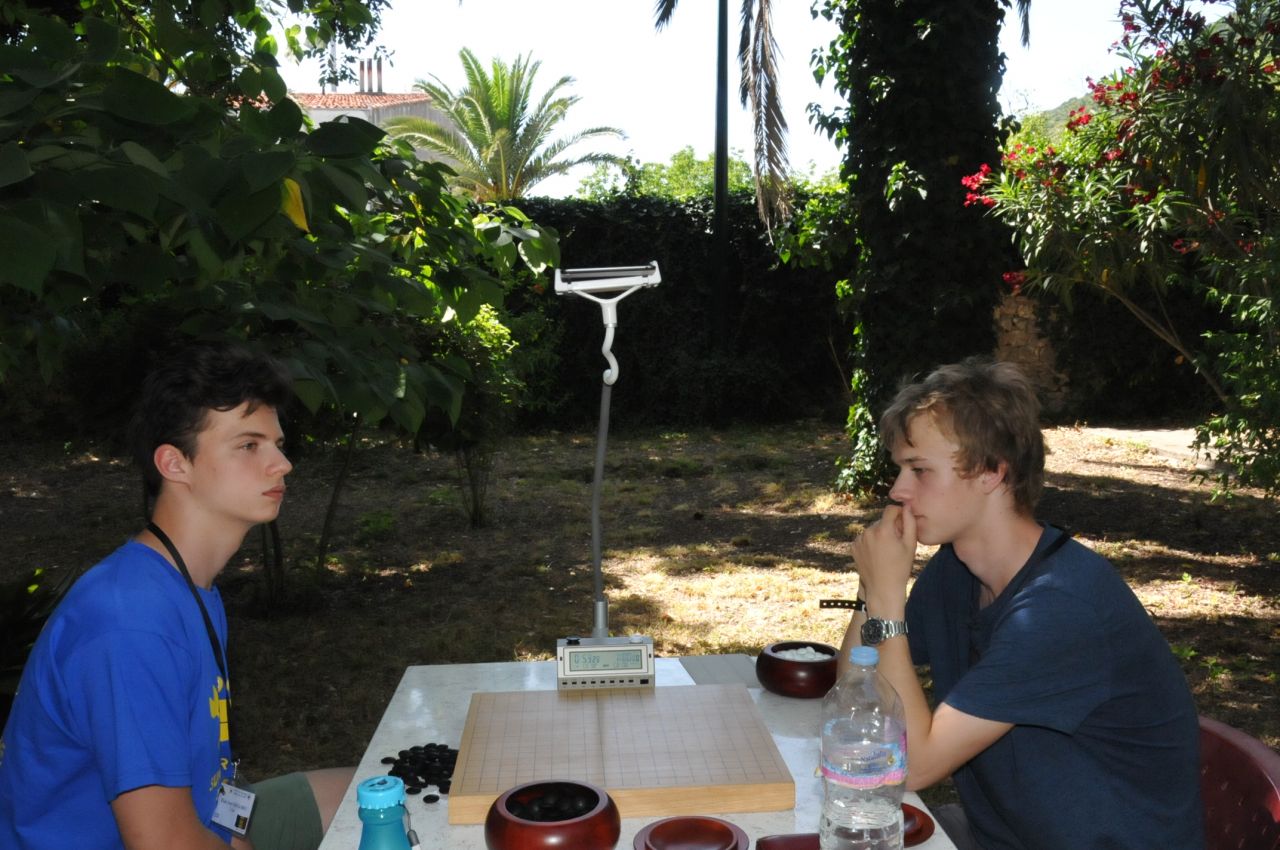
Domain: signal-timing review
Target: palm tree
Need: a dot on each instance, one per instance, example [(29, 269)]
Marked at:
[(497, 140), (757, 55)]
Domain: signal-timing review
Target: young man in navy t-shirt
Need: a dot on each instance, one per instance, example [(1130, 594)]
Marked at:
[(1061, 713)]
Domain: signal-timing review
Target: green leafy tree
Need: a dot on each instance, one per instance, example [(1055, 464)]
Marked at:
[(125, 204), (921, 78), (685, 176), (207, 46), (498, 139), (118, 194), (1167, 184)]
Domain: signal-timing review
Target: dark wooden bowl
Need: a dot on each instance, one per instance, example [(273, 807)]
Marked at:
[(791, 678), (510, 823), (691, 833)]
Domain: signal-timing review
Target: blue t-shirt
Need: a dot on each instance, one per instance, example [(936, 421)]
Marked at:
[(1104, 752), (121, 691)]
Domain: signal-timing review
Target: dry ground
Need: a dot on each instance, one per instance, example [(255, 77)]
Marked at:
[(714, 542)]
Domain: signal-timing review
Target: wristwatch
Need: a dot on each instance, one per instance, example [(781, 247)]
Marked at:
[(876, 631)]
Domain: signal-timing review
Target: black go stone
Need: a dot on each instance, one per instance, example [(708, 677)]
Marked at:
[(430, 798), (424, 764)]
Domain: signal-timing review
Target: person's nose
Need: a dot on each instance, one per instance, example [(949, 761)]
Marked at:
[(900, 492), (280, 464)]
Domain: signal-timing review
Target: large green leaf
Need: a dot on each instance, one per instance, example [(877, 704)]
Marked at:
[(347, 138), (142, 156), (134, 97), (265, 169), (310, 393), (123, 187), (50, 39), (352, 191), (102, 38), (285, 119), (29, 254), (13, 99), (14, 167)]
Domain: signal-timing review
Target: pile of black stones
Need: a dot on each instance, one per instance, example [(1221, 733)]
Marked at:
[(553, 802), (422, 766)]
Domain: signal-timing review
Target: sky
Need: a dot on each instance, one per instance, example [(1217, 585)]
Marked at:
[(659, 87)]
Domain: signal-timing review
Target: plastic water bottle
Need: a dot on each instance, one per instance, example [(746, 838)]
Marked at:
[(381, 802), (864, 759)]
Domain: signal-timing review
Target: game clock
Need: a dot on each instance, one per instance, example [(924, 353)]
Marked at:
[(613, 662)]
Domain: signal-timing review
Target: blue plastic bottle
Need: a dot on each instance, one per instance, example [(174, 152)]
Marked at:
[(381, 802)]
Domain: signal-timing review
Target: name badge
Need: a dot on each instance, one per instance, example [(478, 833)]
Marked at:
[(235, 805)]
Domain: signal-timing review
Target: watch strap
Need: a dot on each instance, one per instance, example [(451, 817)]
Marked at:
[(850, 604), (876, 631)]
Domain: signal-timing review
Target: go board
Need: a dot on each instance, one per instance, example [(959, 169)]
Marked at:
[(657, 751)]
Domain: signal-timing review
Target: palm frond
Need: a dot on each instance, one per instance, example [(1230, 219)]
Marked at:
[(757, 54), (662, 13), (1024, 14), (498, 138)]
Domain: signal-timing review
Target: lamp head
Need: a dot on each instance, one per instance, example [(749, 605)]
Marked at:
[(599, 281)]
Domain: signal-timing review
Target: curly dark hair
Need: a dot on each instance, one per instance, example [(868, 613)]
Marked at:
[(184, 386)]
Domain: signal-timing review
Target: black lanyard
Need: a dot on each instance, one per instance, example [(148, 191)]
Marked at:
[(214, 643)]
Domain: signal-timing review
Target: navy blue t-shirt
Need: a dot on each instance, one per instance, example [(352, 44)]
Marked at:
[(1104, 752)]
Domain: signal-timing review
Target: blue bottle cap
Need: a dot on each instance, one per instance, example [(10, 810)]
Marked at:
[(380, 792), (864, 656)]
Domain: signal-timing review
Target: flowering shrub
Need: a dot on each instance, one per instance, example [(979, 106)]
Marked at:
[(1169, 180)]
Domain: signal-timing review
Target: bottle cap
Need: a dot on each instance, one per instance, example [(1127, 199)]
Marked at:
[(380, 792), (864, 656)]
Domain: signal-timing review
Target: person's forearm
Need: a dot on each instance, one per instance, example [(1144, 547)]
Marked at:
[(895, 665)]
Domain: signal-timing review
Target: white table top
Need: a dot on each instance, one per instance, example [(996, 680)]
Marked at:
[(430, 705)]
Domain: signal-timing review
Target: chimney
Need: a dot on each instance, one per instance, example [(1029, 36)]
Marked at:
[(379, 75), (362, 76)]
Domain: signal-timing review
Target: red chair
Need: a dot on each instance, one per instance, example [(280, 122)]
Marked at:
[(1240, 783)]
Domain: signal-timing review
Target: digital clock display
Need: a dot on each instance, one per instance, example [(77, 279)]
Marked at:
[(592, 660)]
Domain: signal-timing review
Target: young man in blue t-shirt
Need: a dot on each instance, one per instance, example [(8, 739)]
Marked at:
[(1061, 713), (120, 735)]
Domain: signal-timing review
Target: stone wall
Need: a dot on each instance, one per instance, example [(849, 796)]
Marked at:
[(1019, 340)]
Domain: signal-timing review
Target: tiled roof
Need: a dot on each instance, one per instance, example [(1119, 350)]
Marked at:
[(356, 100)]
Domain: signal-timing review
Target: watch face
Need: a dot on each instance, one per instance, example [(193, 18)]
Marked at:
[(872, 632)]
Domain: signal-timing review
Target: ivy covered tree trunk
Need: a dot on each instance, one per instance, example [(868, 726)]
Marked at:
[(921, 78)]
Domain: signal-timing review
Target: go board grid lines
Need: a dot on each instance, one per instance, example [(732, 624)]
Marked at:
[(656, 751)]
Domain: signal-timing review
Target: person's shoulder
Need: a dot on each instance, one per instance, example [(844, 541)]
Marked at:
[(1075, 571), (124, 589)]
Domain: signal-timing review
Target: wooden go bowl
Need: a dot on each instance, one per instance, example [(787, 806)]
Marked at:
[(691, 833), (595, 828), (791, 678)]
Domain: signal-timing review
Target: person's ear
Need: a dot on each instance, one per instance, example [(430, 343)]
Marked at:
[(993, 479), (170, 462)]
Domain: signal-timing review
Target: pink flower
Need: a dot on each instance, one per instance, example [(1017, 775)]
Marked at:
[(1077, 118), (974, 181)]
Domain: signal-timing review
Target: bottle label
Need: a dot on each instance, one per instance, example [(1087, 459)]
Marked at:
[(890, 768)]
